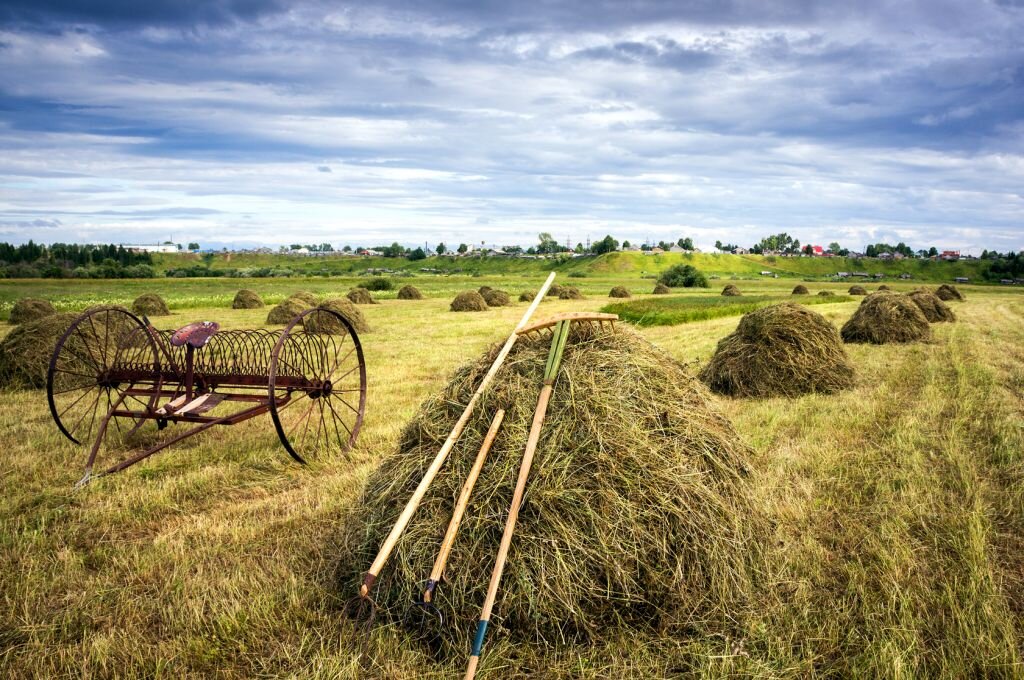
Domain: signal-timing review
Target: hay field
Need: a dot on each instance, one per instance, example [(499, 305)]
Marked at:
[(897, 513)]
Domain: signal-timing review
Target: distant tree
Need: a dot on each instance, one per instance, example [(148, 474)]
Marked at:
[(326, 248), (417, 254), (547, 244), (441, 248), (605, 245), (871, 251), (685, 243), (644, 247), (835, 248), (295, 246), (683, 276), (512, 250), (625, 245), (463, 248), (933, 252), (531, 251), (207, 259), (347, 249), (193, 246), (808, 249)]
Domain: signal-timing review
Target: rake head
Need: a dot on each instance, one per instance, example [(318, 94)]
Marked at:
[(595, 318)]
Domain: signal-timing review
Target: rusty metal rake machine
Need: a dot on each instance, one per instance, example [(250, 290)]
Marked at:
[(112, 372)]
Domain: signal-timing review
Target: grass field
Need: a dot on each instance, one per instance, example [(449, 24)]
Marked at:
[(670, 310), (897, 512)]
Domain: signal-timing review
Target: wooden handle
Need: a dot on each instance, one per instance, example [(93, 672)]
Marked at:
[(410, 508)]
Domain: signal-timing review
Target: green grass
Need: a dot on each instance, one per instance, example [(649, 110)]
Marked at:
[(669, 311)]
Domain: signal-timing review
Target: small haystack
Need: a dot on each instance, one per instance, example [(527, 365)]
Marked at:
[(30, 309), (858, 290), (731, 290), (496, 298), (636, 515), (150, 304), (527, 295), (825, 293), (409, 292), (947, 292), (661, 289), (884, 287), (484, 290), (328, 323), (470, 301), (619, 292), (886, 317), (306, 297), (934, 309), (361, 296), (780, 351), (800, 289), (555, 290), (247, 299), (25, 352), (570, 293), (286, 311)]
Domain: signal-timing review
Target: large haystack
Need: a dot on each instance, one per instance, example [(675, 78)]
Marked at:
[(25, 352), (247, 299), (800, 289), (885, 317), (731, 290), (361, 296), (306, 297), (286, 311), (409, 292), (30, 309), (496, 298), (636, 514), (470, 301), (934, 309), (570, 293), (619, 292), (784, 350), (661, 289), (150, 304), (318, 322), (947, 292), (858, 290)]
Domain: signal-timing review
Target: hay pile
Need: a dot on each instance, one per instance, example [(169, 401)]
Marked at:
[(306, 297), (886, 317), (408, 292), (934, 309), (884, 287), (555, 290), (784, 350), (570, 293), (150, 304), (328, 323), (470, 301), (527, 295), (825, 293), (361, 296), (661, 289), (636, 515), (731, 290), (858, 290), (947, 292), (30, 309), (286, 311), (247, 299), (484, 290), (801, 289), (25, 352), (496, 298), (619, 292)]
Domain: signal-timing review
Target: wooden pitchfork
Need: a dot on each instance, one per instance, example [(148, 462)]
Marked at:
[(559, 336)]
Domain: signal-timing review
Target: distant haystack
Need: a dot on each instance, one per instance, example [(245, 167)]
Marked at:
[(801, 289), (30, 309), (408, 292), (496, 298), (287, 310), (361, 296), (661, 289), (321, 322), (247, 299), (619, 292), (858, 290), (886, 317), (947, 292), (469, 301), (934, 309), (570, 293), (731, 291), (150, 304)]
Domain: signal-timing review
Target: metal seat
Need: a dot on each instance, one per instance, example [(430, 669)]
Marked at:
[(195, 335)]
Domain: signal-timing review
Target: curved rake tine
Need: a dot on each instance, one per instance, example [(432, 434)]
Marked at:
[(362, 610)]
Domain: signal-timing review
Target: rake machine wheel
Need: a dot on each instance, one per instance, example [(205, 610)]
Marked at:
[(327, 412), (79, 386)]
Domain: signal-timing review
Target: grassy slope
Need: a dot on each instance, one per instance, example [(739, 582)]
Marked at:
[(897, 512), (670, 310)]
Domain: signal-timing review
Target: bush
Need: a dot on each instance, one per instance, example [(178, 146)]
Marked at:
[(378, 283), (577, 275), (683, 276)]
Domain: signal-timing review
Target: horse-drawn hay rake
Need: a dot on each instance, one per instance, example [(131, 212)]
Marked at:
[(111, 372)]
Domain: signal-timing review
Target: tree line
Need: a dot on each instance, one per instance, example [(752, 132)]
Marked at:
[(73, 260)]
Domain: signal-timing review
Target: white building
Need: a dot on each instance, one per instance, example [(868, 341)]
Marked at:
[(157, 248)]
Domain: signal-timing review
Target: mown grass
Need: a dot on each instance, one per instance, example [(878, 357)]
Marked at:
[(669, 311), (897, 514)]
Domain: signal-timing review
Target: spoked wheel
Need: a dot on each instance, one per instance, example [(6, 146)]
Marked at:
[(98, 362), (317, 385)]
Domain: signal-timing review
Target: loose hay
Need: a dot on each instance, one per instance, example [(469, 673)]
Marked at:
[(619, 292), (947, 292), (496, 298), (661, 289), (858, 290), (783, 350), (409, 292), (886, 317), (306, 297), (318, 322), (286, 311), (636, 514), (30, 309), (934, 309), (470, 301), (150, 304), (361, 296), (801, 289), (570, 293), (25, 352), (731, 290), (247, 299)]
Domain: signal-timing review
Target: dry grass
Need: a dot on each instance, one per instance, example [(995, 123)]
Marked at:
[(247, 299), (150, 304), (30, 309), (885, 317), (25, 352)]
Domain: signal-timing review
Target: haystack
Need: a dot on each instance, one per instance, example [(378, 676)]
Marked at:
[(150, 304), (328, 323), (496, 298), (247, 299), (886, 317), (858, 290), (555, 290), (801, 289), (30, 309), (25, 352), (661, 289), (361, 296), (619, 292), (286, 311), (527, 295), (784, 350), (731, 290), (470, 301), (305, 296), (409, 292), (570, 293), (825, 293), (483, 290), (934, 309), (947, 292), (637, 513), (884, 287)]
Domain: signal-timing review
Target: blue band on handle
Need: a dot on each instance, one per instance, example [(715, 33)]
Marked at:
[(478, 641)]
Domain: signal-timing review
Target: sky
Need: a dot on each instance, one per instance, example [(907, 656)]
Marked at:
[(244, 122)]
